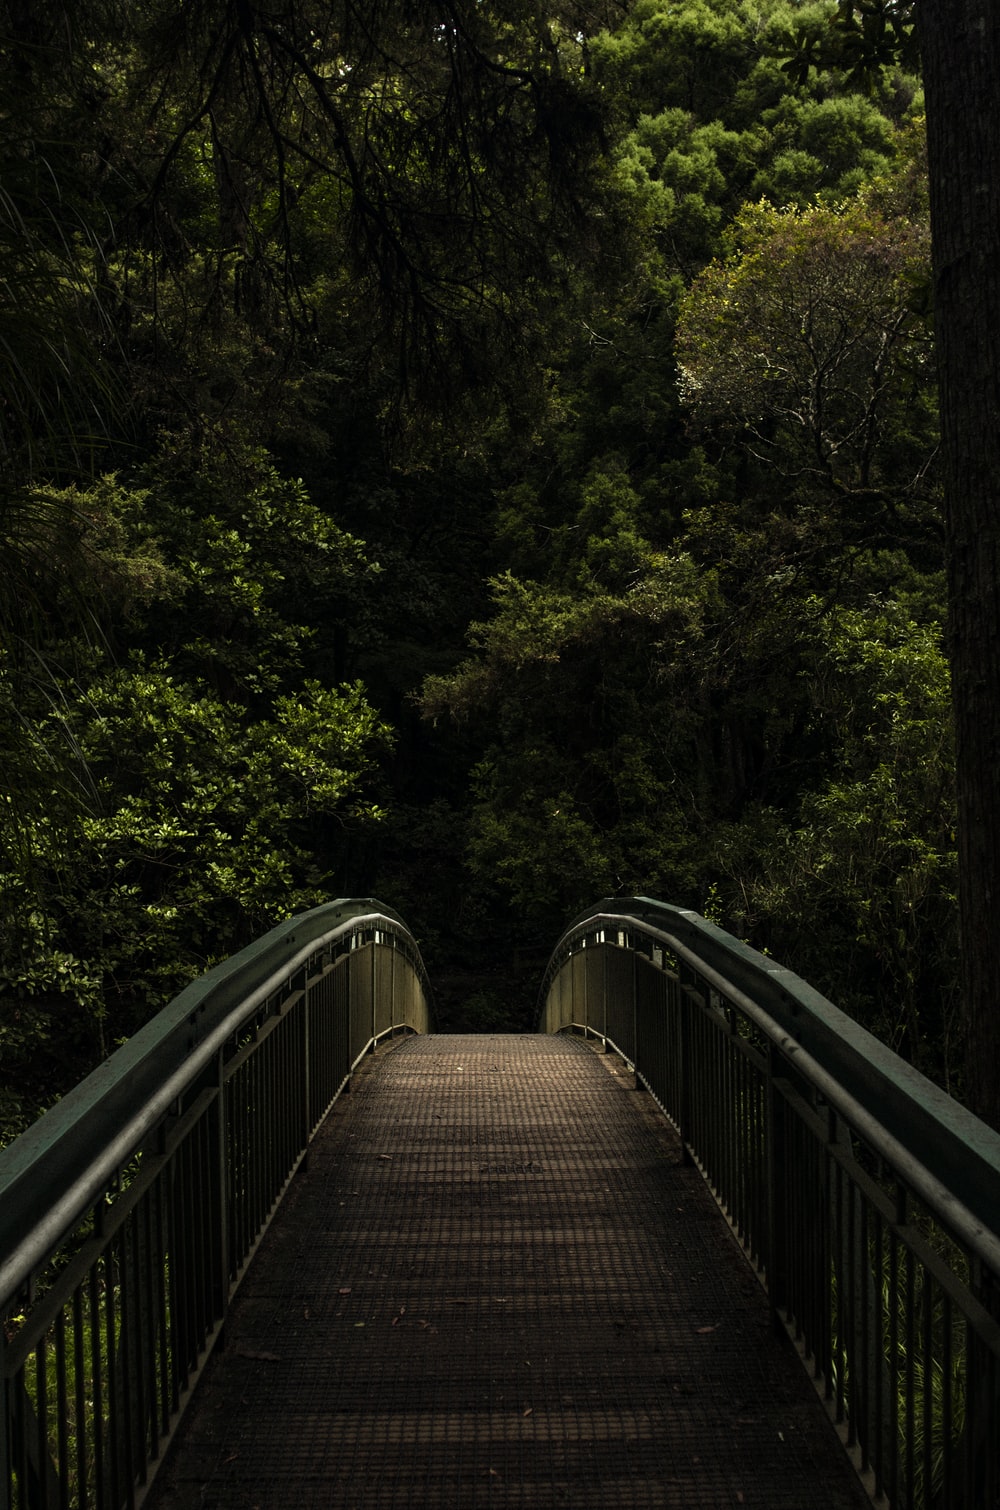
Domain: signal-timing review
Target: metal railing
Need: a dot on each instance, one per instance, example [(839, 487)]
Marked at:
[(129, 1212), (867, 1199)]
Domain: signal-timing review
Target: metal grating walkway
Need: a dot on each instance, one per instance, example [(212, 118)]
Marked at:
[(498, 1285)]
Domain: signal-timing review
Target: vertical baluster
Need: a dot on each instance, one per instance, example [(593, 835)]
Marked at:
[(928, 1372), (19, 1429), (162, 1290), (128, 1343), (880, 1344), (113, 1481), (909, 1343), (842, 1284), (852, 1280), (98, 1381), (62, 1411), (82, 1418), (828, 1301), (865, 1306), (947, 1397), (41, 1403), (894, 1434)]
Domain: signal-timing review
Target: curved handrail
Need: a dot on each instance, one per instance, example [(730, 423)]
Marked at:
[(867, 1199), (57, 1168), (959, 1151), (130, 1211)]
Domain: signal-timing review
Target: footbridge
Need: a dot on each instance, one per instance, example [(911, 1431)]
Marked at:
[(700, 1241)]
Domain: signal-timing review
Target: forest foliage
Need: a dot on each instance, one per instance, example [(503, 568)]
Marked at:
[(479, 455)]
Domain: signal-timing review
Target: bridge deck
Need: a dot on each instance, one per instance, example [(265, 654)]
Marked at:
[(498, 1285)]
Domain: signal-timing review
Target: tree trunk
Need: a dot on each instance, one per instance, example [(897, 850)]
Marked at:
[(960, 43)]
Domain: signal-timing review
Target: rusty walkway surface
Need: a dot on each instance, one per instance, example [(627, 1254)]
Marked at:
[(497, 1285)]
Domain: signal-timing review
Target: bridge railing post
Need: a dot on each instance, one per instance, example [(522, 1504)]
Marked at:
[(373, 1025), (220, 1192), (313, 972), (691, 1004), (685, 1025), (776, 1256)]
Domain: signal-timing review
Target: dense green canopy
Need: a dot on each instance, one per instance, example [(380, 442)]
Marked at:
[(479, 454)]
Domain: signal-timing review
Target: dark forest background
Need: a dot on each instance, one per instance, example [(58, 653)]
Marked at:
[(479, 455)]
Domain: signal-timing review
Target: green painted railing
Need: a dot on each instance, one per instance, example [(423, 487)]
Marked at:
[(129, 1212), (867, 1199)]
